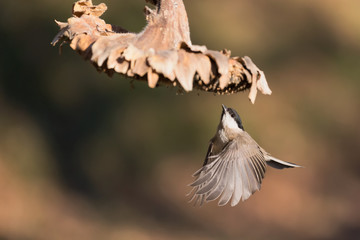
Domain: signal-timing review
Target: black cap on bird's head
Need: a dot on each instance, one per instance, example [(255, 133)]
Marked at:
[(233, 114)]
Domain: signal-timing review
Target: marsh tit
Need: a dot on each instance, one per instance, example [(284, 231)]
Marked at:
[(234, 165)]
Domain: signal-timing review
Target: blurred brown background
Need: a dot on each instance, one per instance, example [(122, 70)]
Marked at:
[(85, 156)]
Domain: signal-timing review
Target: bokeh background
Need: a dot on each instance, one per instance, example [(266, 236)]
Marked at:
[(86, 156)]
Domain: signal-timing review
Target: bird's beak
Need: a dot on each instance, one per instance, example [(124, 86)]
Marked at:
[(224, 107)]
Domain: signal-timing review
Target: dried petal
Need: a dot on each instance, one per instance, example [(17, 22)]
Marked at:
[(81, 42), (203, 67), (140, 67), (164, 62), (258, 80), (114, 56), (262, 84), (253, 93), (86, 7), (185, 70), (223, 66), (103, 47), (122, 66), (133, 53), (152, 78)]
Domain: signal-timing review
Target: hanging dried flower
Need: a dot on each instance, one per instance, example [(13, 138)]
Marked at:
[(161, 54)]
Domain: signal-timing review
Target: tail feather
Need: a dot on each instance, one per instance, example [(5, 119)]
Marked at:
[(279, 164)]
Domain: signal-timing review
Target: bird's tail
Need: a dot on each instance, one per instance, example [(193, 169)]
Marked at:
[(279, 164)]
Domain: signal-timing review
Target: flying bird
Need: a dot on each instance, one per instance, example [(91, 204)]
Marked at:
[(234, 166)]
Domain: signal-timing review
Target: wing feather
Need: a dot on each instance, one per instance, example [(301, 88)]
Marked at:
[(207, 174), (230, 185), (217, 190), (256, 169), (209, 185), (245, 181), (238, 185), (234, 174)]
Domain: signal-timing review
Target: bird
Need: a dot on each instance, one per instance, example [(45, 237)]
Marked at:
[(234, 165)]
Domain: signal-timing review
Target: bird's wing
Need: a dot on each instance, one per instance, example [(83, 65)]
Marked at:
[(235, 173), (208, 154)]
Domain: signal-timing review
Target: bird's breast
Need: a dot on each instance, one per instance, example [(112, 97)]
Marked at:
[(218, 142)]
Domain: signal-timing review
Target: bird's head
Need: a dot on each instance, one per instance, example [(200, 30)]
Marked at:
[(230, 119)]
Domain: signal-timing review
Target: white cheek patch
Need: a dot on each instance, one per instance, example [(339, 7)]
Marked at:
[(229, 122)]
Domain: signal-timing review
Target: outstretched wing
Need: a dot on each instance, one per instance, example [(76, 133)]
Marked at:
[(236, 173)]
